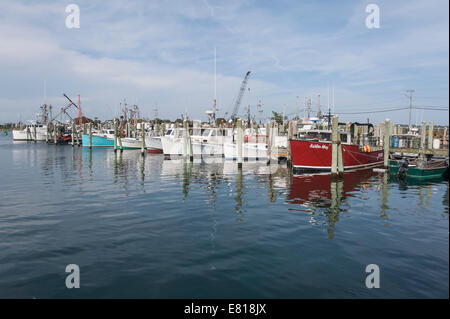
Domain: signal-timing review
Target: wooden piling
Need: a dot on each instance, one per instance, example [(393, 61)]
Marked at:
[(90, 135), (54, 134), (115, 136), (120, 142), (430, 136), (185, 142), (274, 147), (143, 138), (239, 143), (387, 142), (292, 128), (334, 146), (423, 134), (73, 134), (269, 141)]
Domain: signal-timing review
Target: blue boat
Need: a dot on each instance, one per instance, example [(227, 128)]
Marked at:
[(97, 141)]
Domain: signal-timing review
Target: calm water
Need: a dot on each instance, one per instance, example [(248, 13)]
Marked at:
[(156, 228)]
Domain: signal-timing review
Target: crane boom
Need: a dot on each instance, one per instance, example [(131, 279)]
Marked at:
[(240, 95)]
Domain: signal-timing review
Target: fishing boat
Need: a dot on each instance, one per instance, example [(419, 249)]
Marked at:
[(414, 169), (130, 143), (210, 141), (204, 141), (27, 133), (154, 144), (311, 151), (255, 146), (104, 138), (172, 143)]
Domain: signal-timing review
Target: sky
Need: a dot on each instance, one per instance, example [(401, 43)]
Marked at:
[(160, 55)]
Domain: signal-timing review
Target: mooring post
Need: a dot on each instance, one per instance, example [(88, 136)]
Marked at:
[(273, 143), (423, 134), (46, 132), (387, 142), (90, 134), (54, 133), (190, 150), (334, 146), (120, 141), (79, 137), (185, 132), (239, 143), (143, 138), (34, 133), (430, 135), (340, 160), (291, 126), (115, 136), (73, 134)]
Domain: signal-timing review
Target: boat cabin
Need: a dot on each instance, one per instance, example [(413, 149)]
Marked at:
[(323, 136)]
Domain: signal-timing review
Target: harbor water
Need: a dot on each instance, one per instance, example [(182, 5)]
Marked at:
[(147, 227)]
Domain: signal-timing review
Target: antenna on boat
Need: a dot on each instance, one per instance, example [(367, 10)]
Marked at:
[(328, 97), (215, 84), (332, 87)]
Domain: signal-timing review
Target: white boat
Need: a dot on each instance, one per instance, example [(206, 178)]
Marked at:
[(27, 134), (130, 143), (254, 146), (211, 141), (250, 151), (153, 144)]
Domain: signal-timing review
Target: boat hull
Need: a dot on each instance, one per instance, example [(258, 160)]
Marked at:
[(316, 156), (97, 141), (154, 144), (250, 151), (414, 172), (21, 135)]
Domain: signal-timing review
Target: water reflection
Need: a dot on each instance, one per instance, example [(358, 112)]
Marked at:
[(320, 195), (323, 199)]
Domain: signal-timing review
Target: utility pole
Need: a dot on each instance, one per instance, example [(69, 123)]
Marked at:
[(410, 91), (319, 114)]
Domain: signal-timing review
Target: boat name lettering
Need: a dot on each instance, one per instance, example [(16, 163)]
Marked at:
[(323, 146)]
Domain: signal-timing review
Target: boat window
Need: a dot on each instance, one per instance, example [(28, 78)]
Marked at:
[(213, 133), (220, 133), (205, 132), (169, 132)]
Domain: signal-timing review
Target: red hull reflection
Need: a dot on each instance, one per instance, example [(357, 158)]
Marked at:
[(316, 189)]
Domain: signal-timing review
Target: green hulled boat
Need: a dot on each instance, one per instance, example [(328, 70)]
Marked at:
[(431, 169)]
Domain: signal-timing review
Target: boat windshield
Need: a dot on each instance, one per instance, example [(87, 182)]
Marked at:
[(321, 136), (206, 132)]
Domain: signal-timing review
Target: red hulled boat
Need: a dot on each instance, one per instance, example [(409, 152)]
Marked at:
[(311, 151)]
